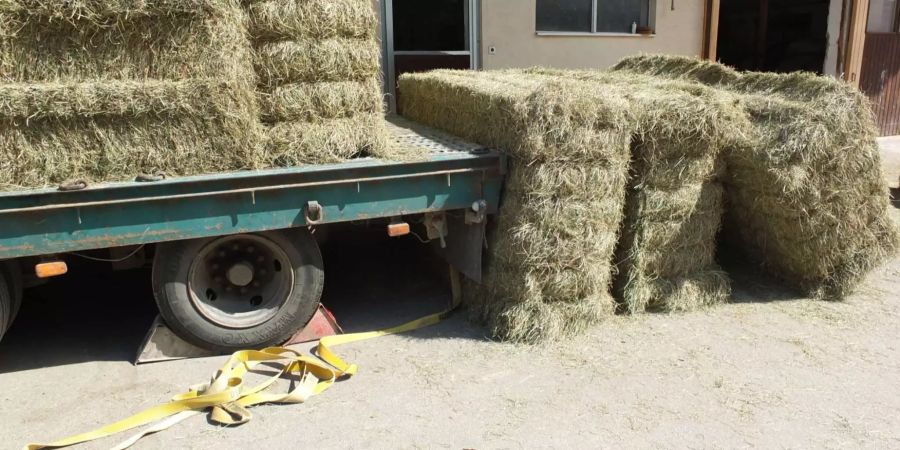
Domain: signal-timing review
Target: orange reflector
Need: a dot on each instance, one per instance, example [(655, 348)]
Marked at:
[(50, 269), (398, 229)]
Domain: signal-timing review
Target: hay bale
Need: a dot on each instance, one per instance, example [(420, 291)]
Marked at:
[(318, 63), (104, 91), (310, 102), (805, 188), (325, 142), (674, 203), (548, 267), (205, 41), (312, 61), (275, 20)]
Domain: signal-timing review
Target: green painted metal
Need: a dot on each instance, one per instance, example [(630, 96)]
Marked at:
[(112, 215)]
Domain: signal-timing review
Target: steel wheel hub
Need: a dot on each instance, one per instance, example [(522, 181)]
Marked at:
[(240, 281)]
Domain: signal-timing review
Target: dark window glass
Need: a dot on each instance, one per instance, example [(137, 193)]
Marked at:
[(616, 16), (432, 25), (564, 15)]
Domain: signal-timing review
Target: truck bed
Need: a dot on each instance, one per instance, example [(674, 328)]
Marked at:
[(453, 176)]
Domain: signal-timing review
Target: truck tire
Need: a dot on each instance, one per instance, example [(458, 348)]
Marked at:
[(239, 292), (13, 274), (5, 305)]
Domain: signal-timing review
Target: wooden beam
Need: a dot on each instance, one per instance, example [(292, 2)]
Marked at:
[(856, 41), (711, 28)]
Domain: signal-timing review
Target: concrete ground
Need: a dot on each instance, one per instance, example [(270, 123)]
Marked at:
[(770, 370)]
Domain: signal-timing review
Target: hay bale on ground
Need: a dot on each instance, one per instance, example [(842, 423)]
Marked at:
[(318, 63), (666, 258), (548, 266), (105, 90), (805, 188)]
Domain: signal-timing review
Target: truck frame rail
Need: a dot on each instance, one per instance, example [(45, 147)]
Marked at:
[(455, 173)]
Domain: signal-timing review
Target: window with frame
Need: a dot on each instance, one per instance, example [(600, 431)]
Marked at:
[(592, 16)]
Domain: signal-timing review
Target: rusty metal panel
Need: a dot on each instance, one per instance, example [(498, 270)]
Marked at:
[(880, 79)]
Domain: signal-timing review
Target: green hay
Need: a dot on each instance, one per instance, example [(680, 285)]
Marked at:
[(804, 184), (117, 89), (125, 47), (309, 102), (199, 98), (674, 203), (100, 10), (40, 152), (275, 20), (330, 141), (313, 61), (318, 63), (548, 267)]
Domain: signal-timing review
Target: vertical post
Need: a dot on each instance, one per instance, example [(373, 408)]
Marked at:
[(856, 41), (711, 27), (390, 78)]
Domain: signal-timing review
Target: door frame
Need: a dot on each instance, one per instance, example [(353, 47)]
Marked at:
[(851, 42), (472, 16)]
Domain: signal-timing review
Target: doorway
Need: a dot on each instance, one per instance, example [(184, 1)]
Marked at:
[(774, 35), (426, 35), (880, 70)]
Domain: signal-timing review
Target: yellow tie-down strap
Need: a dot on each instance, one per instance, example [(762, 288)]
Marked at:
[(227, 398)]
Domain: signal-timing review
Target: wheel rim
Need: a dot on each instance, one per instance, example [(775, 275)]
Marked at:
[(240, 281)]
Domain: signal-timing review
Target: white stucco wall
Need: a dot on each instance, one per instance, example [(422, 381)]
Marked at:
[(509, 27)]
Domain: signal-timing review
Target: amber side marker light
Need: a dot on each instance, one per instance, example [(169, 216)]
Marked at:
[(398, 229), (51, 269)]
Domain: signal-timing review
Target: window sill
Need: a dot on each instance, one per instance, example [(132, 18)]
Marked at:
[(589, 34)]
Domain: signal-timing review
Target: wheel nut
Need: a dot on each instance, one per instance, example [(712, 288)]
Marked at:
[(256, 284), (250, 249)]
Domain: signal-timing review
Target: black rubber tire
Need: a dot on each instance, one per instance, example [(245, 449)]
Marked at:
[(5, 305), (171, 267), (13, 272)]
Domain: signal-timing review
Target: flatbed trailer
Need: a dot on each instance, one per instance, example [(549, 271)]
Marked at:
[(221, 241)]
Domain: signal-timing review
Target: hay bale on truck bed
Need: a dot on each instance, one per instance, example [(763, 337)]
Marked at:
[(105, 90), (805, 190), (549, 261), (318, 63)]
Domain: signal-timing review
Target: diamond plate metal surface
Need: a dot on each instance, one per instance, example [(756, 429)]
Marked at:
[(408, 133)]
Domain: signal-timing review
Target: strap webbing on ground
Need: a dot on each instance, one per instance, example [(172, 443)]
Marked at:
[(227, 398)]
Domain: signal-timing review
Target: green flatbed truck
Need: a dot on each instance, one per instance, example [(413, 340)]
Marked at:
[(234, 262)]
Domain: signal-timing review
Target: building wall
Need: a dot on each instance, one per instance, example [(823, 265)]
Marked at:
[(508, 26), (835, 10)]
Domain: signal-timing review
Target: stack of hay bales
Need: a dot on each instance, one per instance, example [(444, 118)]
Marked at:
[(549, 261), (675, 203), (666, 258), (318, 63), (805, 190), (105, 90)]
